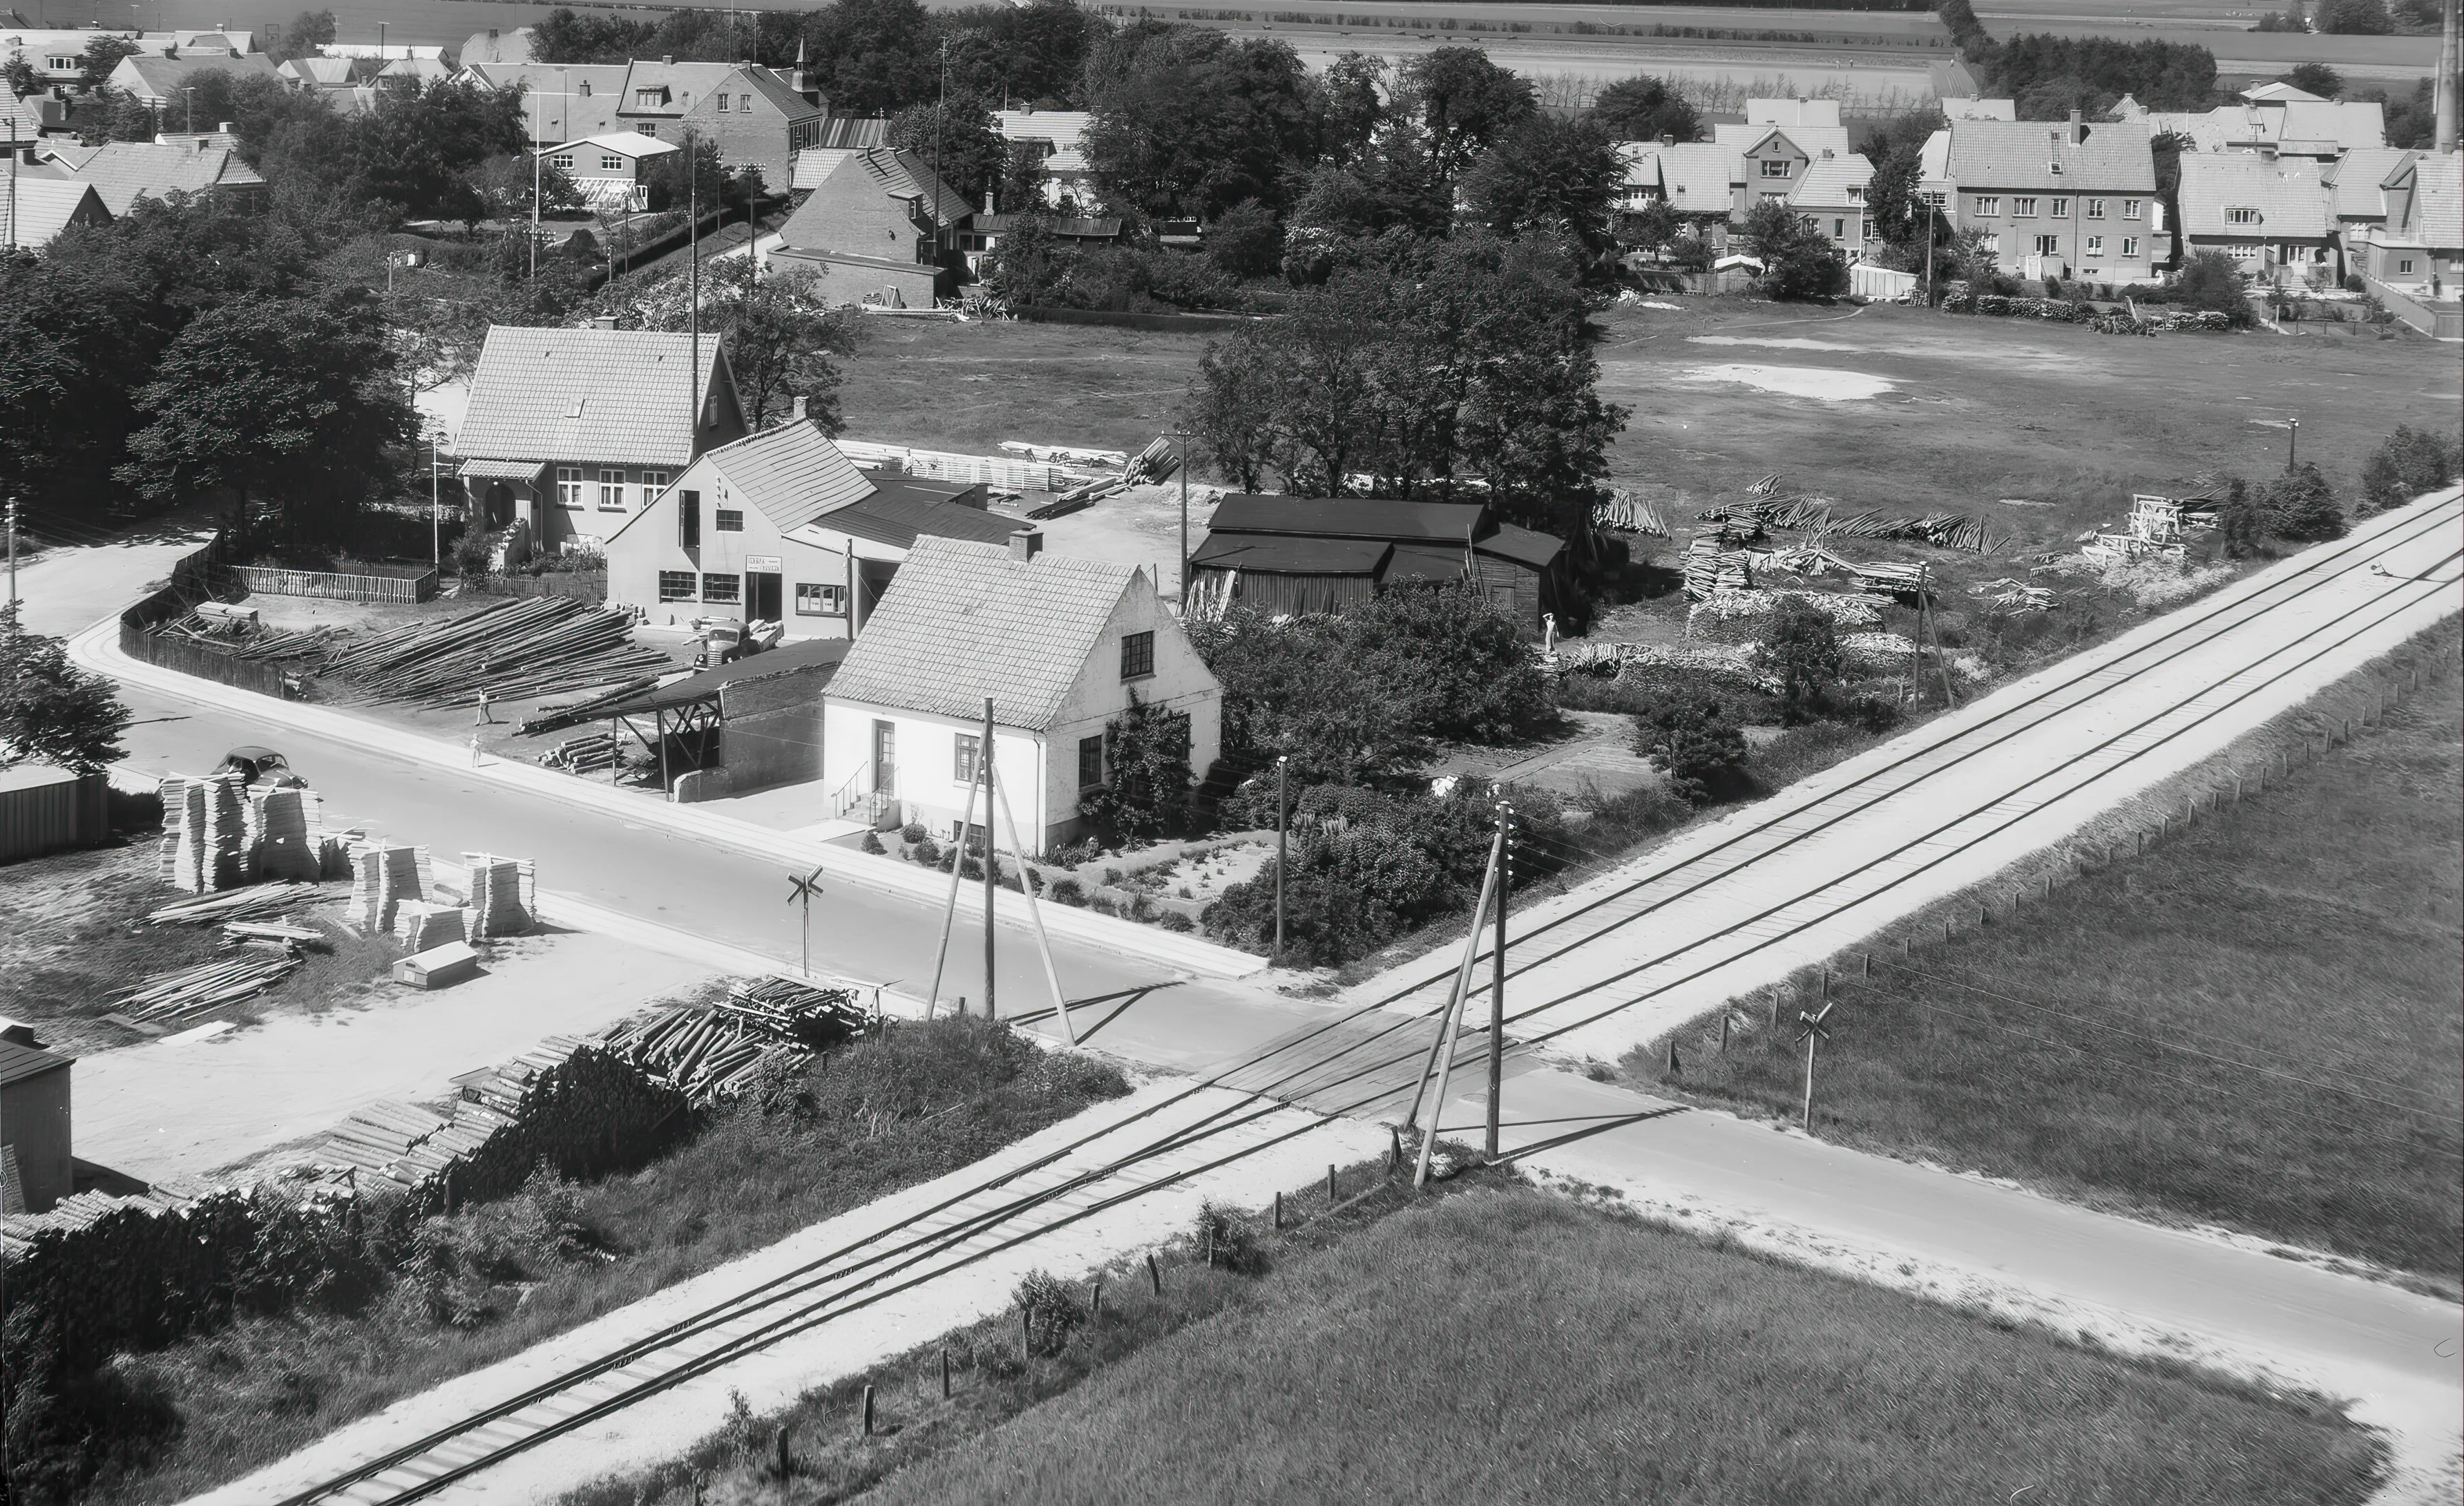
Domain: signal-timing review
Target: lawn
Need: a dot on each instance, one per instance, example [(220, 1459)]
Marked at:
[(495, 1279), (1504, 1345), (2256, 1024)]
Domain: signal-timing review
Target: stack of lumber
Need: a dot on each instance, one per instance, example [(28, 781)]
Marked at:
[(379, 1138), (792, 1009), (269, 902), (1892, 580), (1711, 567), (1075, 500), (209, 985), (1813, 514), (276, 931), (1629, 513), (420, 924), (206, 840), (504, 894), (289, 824), (583, 755), (383, 875), (513, 649)]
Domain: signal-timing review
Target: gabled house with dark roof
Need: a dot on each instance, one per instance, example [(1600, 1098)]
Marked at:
[(1309, 554), (1060, 648), (2053, 199), (883, 226), (574, 430), (751, 114), (779, 526)]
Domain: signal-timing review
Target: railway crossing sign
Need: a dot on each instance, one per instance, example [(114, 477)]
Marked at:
[(803, 889), (1811, 1029)]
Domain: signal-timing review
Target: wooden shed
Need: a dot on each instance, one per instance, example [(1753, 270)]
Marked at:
[(44, 808), (1305, 554)]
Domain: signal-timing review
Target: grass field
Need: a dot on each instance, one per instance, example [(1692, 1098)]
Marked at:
[(499, 1277), (1504, 1345), (2256, 1024)]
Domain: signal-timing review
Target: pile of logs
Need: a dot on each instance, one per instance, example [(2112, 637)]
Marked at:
[(515, 649), (561, 715), (1812, 515), (592, 752), (710, 1053)]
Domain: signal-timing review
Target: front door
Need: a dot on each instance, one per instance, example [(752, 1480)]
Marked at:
[(761, 596), (885, 758)]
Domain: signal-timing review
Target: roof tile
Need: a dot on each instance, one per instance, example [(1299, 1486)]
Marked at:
[(611, 395)]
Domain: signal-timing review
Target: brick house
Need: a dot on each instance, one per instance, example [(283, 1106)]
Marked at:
[(1060, 645), (883, 226), (779, 526), (571, 431), (2053, 199)]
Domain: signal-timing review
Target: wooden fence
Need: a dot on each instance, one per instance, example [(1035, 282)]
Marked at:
[(588, 585), (205, 575), (405, 584), (1164, 323), (35, 818)]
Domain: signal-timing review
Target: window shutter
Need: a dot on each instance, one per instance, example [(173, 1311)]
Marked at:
[(688, 519)]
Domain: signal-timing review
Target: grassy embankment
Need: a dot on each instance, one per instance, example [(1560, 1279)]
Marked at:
[(889, 1113), (2255, 1024), (1501, 1344)]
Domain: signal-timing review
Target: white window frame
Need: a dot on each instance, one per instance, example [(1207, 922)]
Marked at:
[(2023, 208), (1769, 162), (2048, 245), (568, 487), (2060, 208), (2096, 209), (733, 589), (819, 599), (722, 102), (727, 520), (561, 161), (2241, 214), (2131, 209), (2404, 266), (1989, 205), (611, 489), (2131, 245), (2095, 247), (687, 586), (653, 482), (609, 161)]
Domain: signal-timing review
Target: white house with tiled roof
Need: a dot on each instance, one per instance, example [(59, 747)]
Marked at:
[(2418, 246), (2274, 216), (1060, 645), (123, 172), (1792, 150), (2052, 198), (574, 430), (779, 526), (751, 114)]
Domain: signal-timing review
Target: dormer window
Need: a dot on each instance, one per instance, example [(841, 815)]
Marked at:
[(1775, 167), (2241, 216), (2054, 168), (649, 99)]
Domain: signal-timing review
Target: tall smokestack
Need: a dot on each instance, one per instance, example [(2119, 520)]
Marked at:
[(2450, 63)]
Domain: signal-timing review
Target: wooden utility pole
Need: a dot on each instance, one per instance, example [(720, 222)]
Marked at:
[(984, 756), (1497, 975), (1280, 765), (1035, 920), (949, 911), (1451, 1025), (1455, 996)]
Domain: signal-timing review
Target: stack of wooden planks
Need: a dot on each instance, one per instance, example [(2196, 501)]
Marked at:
[(262, 902), (209, 986), (511, 649), (591, 752), (710, 1053)]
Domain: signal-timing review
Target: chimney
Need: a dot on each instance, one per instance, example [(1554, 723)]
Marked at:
[(988, 202), (491, 33), (2078, 132), (1667, 140), (225, 127), (795, 413), (604, 321), (668, 61), (1026, 544)]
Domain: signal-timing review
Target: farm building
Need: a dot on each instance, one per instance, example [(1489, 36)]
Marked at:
[(1298, 554), (34, 1124)]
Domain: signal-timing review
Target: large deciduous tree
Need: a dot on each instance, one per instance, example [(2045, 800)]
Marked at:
[(1798, 261), (1548, 173), (1646, 109), (1466, 104), (1191, 123), (50, 711), (291, 401), (958, 141)]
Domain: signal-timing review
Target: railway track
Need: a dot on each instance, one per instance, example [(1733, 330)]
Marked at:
[(1367, 1057)]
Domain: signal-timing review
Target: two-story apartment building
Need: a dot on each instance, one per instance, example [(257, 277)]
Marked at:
[(2052, 198), (1794, 151), (751, 114), (606, 169), (573, 431), (2417, 246), (883, 226)]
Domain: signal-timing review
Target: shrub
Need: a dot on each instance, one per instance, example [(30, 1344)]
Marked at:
[(2302, 507), (872, 843), (1702, 751), (1068, 892), (925, 850), (2212, 283), (1050, 1312), (1246, 240), (1801, 646), (1145, 791), (1174, 921), (2408, 463), (1226, 1240), (911, 833), (472, 553)]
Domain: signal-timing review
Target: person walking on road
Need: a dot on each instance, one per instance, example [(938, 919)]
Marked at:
[(475, 750)]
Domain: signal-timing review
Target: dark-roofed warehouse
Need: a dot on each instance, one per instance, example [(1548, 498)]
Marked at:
[(1308, 554)]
